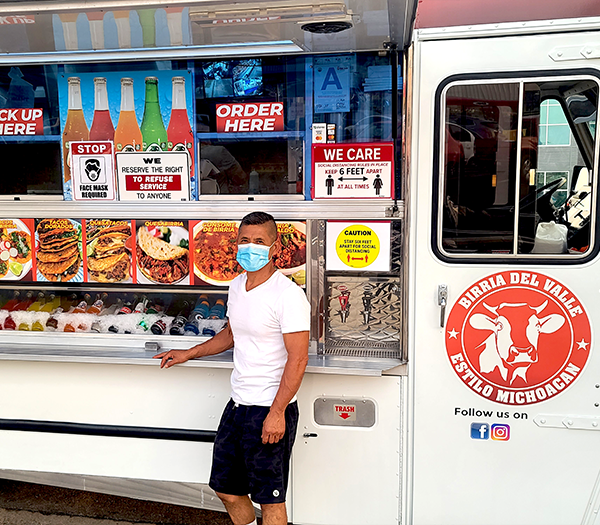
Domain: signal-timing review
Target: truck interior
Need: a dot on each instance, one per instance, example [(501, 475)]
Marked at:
[(517, 167)]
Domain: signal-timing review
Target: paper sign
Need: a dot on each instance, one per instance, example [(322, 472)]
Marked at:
[(332, 84), (153, 176), (354, 246), (92, 171), (353, 170)]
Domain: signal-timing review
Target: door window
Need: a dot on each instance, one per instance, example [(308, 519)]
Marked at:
[(517, 169)]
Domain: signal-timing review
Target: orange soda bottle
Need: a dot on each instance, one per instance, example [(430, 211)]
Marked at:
[(75, 128), (79, 309), (128, 136)]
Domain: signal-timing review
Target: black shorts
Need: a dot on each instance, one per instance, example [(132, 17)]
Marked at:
[(242, 464)]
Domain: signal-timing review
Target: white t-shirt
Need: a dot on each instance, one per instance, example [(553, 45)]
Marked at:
[(258, 320)]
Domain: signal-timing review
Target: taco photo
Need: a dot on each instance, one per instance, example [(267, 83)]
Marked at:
[(15, 249), (58, 251), (108, 260), (162, 253)]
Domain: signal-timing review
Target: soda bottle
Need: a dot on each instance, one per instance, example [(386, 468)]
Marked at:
[(37, 326), (98, 304), (177, 327), (9, 323), (83, 305), (75, 128), (128, 136), (218, 310), (51, 304), (33, 307), (25, 303), (52, 322), (158, 306), (79, 309), (202, 308), (125, 309), (112, 309), (140, 308), (67, 303), (102, 125), (153, 130), (179, 132), (148, 26), (159, 327), (37, 305), (12, 302)]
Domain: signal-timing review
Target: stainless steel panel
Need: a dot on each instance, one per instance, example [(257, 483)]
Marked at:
[(369, 325), (346, 412)]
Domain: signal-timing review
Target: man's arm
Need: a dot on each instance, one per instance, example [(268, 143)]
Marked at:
[(296, 344), (215, 345)]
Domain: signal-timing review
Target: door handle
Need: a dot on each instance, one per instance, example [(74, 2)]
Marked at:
[(309, 435), (442, 301)]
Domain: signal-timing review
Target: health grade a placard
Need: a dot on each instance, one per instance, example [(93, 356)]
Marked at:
[(359, 247)]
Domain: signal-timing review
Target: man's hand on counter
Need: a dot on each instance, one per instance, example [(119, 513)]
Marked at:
[(172, 357), (217, 344)]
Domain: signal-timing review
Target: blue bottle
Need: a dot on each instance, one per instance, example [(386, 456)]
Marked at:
[(218, 310), (202, 308)]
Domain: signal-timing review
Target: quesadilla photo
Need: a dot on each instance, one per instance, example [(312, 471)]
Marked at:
[(108, 259), (58, 255), (159, 260)]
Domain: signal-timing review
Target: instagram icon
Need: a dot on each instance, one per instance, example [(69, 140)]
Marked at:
[(500, 432)]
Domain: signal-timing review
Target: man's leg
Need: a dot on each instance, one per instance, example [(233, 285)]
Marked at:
[(274, 514), (240, 509)]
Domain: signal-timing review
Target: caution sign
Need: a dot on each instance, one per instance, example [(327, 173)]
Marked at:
[(349, 171), (358, 246), (92, 170)]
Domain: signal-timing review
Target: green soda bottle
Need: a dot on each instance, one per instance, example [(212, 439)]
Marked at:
[(154, 134)]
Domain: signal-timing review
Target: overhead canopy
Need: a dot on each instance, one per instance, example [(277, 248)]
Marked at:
[(445, 13), (89, 30)]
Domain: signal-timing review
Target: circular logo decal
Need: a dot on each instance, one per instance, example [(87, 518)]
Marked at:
[(518, 337)]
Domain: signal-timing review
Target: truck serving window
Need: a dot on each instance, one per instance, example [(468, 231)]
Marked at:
[(517, 165)]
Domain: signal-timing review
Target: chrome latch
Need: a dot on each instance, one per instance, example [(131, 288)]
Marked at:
[(442, 302)]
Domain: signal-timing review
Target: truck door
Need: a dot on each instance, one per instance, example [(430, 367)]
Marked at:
[(505, 394)]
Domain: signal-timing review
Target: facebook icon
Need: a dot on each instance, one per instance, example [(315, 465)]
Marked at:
[(480, 431)]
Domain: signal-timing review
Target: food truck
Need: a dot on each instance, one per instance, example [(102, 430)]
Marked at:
[(432, 171)]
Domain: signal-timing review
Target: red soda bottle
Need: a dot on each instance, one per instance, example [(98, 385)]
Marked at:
[(102, 125), (179, 133)]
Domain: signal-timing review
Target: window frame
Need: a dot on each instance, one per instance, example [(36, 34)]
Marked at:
[(438, 179)]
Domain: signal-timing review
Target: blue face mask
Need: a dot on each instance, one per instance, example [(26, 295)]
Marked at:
[(253, 257)]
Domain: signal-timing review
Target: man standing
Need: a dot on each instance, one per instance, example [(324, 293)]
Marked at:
[(269, 322)]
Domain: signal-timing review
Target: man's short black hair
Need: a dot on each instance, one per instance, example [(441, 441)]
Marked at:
[(260, 217)]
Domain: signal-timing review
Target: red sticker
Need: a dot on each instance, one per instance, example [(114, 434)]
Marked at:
[(518, 338)]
